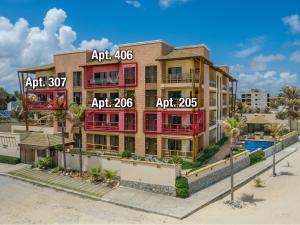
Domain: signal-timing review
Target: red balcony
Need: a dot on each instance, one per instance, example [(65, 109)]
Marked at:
[(111, 75), (111, 121), (170, 122), (46, 99)]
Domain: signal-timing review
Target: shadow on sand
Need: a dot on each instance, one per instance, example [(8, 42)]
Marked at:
[(246, 198)]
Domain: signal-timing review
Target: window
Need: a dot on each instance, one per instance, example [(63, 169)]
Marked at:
[(114, 143), (151, 146), (151, 96), (77, 98), (100, 77), (129, 74), (174, 119), (100, 141), (130, 144), (175, 70), (113, 75), (100, 96), (77, 140), (174, 94), (151, 122), (129, 121), (151, 74), (77, 79), (41, 153), (174, 145), (61, 75)]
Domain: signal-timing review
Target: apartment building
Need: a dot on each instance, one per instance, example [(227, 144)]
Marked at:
[(256, 98), (157, 70)]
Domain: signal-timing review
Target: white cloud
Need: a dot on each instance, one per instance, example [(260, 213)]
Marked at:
[(270, 80), (168, 3), (253, 45), (295, 57), (293, 22), (24, 46), (135, 4), (99, 45), (259, 63)]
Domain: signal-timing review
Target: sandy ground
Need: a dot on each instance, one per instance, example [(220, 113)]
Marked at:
[(277, 202)]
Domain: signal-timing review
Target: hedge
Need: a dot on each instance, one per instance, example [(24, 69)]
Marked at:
[(257, 156), (182, 187), (9, 159)]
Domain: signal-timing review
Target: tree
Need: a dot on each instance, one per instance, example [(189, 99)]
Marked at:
[(231, 127), (276, 129), (241, 108), (76, 113), (4, 98), (59, 115), (290, 94)]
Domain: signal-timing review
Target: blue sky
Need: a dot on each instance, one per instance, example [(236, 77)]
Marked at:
[(259, 40)]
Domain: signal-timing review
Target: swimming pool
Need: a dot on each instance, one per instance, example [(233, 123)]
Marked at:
[(251, 146)]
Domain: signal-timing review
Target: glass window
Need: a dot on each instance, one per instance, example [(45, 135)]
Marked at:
[(174, 144), (129, 74), (151, 146), (151, 97), (77, 140), (151, 74), (77, 97), (77, 79), (130, 144), (100, 141), (114, 143), (175, 70)]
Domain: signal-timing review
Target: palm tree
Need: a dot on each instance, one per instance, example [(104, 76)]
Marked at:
[(76, 113), (241, 108), (59, 115), (290, 94), (231, 127), (276, 129)]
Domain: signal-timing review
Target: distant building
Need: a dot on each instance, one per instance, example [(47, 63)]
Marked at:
[(256, 98), (12, 105)]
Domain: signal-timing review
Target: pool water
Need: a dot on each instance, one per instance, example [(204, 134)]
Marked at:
[(254, 145)]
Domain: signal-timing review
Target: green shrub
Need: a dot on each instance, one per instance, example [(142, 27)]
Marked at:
[(182, 187), (176, 159), (9, 159), (45, 163), (257, 156), (95, 173), (109, 175), (126, 154)]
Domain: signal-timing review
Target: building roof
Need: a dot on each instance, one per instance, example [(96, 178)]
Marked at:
[(144, 43), (44, 140), (44, 67), (104, 62), (260, 119), (178, 54)]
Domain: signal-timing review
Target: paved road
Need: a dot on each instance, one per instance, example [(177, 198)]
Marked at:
[(278, 202)]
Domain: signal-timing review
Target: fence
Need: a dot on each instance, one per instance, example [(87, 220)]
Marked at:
[(144, 175), (206, 176)]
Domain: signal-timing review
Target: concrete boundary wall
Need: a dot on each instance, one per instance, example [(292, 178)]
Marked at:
[(9, 143), (149, 176), (206, 176), (289, 139)]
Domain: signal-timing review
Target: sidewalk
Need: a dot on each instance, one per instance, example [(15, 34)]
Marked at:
[(63, 183), (181, 208)]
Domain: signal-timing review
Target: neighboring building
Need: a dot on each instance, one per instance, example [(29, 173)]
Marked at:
[(256, 98), (157, 70), (12, 105)]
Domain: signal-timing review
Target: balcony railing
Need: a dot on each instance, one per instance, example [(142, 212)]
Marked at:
[(212, 83), (177, 128), (212, 122), (180, 78), (124, 121), (169, 153), (224, 87), (46, 99), (189, 123), (102, 148)]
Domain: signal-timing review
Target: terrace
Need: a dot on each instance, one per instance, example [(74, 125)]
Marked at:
[(46, 99), (181, 122)]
